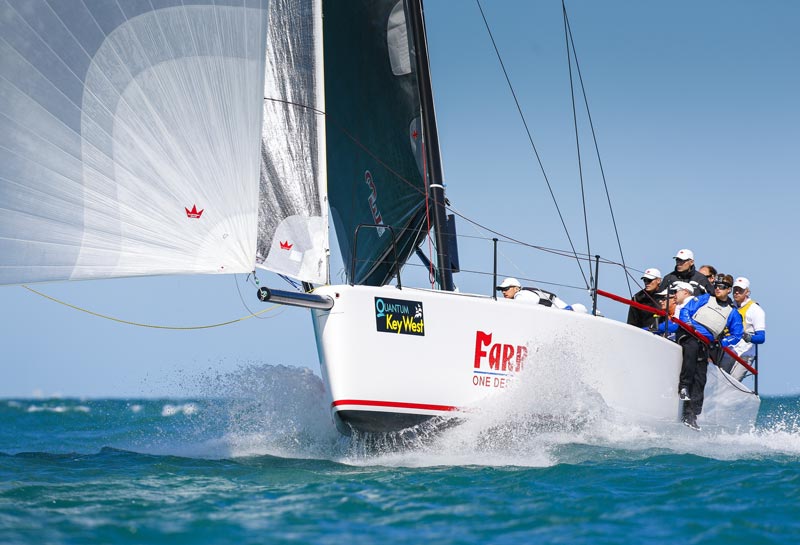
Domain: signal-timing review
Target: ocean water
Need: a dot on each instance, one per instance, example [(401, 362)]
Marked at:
[(253, 458)]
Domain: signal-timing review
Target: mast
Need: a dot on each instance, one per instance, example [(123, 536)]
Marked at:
[(433, 158)]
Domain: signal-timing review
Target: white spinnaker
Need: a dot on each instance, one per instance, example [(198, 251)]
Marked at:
[(293, 208), (116, 120)]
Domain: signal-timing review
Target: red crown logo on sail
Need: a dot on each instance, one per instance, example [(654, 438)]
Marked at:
[(286, 245), (193, 213)]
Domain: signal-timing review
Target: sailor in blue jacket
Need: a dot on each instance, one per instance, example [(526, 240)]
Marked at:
[(717, 320)]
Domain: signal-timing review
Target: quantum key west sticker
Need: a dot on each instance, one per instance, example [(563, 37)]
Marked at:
[(399, 316)]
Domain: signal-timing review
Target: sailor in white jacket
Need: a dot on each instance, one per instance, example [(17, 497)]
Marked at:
[(754, 320)]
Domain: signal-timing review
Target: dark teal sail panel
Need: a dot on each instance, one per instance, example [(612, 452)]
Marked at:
[(374, 136)]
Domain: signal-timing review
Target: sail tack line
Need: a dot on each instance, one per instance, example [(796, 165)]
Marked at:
[(151, 326)]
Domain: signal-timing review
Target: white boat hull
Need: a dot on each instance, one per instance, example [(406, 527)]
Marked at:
[(394, 358)]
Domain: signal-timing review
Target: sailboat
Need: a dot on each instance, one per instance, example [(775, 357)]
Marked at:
[(217, 137)]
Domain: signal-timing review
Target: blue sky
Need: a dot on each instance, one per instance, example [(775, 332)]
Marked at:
[(698, 125)]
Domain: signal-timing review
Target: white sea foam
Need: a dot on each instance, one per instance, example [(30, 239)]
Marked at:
[(261, 410), (521, 425), (551, 416), (58, 408), (186, 409), (540, 421)]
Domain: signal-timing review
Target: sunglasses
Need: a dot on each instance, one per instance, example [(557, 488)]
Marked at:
[(647, 280), (680, 261), (710, 276), (721, 287), (506, 289)]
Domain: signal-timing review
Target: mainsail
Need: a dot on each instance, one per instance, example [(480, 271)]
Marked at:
[(374, 135)]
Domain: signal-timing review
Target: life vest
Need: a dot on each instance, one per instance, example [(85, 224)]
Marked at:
[(713, 316), (546, 298), (743, 310)]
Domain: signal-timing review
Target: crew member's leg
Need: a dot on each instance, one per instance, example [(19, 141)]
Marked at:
[(691, 346), (699, 382), (691, 352)]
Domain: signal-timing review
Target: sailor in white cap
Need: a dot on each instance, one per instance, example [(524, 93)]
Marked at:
[(512, 289), (683, 292), (755, 327), (647, 296), (685, 272), (673, 299)]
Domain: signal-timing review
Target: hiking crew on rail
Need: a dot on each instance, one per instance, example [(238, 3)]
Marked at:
[(716, 319), (701, 299)]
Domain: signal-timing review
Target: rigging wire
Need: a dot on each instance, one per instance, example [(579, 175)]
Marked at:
[(573, 253), (597, 150), (530, 139), (577, 135), (519, 277), (431, 271)]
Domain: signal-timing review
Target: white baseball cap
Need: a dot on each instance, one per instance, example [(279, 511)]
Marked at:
[(509, 283), (682, 286), (741, 282), (651, 273), (684, 254), (675, 286)]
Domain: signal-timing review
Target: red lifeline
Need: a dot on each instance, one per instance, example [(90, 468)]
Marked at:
[(500, 356)]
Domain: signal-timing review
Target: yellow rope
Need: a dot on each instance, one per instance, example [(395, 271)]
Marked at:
[(273, 307)]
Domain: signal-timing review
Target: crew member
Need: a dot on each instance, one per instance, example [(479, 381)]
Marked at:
[(709, 271), (685, 272), (647, 296), (512, 289), (677, 295), (715, 318), (755, 328)]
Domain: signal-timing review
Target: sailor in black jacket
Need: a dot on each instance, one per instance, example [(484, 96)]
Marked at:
[(685, 272), (647, 296)]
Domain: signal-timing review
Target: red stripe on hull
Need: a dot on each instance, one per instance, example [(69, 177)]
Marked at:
[(397, 404)]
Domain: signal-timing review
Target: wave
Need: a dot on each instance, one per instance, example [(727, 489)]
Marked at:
[(51, 407), (186, 409), (260, 410), (541, 421)]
